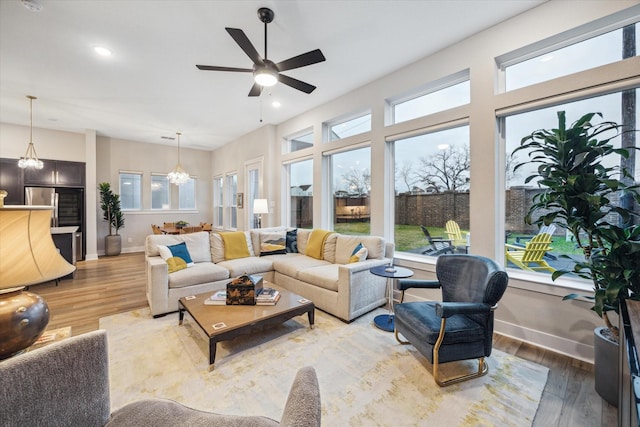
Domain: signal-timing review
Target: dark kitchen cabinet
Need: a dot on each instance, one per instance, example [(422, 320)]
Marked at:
[(56, 172), (11, 181)]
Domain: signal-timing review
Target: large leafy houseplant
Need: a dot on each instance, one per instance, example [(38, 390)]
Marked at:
[(579, 193), (110, 205)]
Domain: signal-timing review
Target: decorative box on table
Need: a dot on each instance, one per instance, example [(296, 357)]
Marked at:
[(243, 290)]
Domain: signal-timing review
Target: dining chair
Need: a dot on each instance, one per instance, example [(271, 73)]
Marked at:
[(169, 224), (190, 229), (156, 229)]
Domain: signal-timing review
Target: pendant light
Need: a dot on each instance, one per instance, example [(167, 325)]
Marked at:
[(178, 176), (30, 159)]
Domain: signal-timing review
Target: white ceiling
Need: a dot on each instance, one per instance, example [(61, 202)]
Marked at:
[(150, 86)]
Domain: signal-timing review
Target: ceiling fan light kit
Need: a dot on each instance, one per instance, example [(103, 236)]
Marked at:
[(265, 72)]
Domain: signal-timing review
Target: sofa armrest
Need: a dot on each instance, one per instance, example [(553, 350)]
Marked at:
[(157, 285), (367, 264)]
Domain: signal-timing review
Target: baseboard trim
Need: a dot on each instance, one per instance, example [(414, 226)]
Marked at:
[(553, 343)]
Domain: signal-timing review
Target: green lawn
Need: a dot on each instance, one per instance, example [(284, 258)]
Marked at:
[(408, 237)]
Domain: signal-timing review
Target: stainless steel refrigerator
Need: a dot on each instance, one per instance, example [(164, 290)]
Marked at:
[(68, 209)]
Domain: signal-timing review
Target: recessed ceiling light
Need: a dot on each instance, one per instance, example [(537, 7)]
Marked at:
[(546, 58), (103, 51), (276, 104), (32, 5)]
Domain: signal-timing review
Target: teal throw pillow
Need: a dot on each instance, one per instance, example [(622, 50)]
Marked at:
[(180, 250)]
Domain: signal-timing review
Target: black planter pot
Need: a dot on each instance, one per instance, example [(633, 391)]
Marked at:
[(606, 366)]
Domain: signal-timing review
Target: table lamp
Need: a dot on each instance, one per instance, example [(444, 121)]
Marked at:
[(27, 256), (260, 206)]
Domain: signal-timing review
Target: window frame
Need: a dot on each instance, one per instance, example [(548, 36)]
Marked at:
[(120, 183)]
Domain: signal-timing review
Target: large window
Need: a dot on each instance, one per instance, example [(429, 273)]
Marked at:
[(131, 190), (617, 107), (218, 202), (347, 128), (432, 102), (253, 191), (187, 195), (299, 142), (351, 187), (300, 175), (231, 193), (432, 188), (586, 54), (160, 192)]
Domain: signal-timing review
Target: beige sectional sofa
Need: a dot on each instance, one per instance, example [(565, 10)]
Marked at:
[(345, 290)]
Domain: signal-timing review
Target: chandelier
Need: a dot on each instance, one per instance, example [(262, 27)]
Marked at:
[(30, 159), (178, 176)]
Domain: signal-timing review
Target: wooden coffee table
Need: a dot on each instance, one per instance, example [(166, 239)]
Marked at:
[(225, 322)]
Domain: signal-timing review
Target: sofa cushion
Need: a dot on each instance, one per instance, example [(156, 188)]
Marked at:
[(273, 242), (201, 272), (291, 264), (323, 276), (255, 236), (197, 244), (235, 245), (302, 238), (217, 246), (329, 252), (315, 244), (249, 265), (346, 244)]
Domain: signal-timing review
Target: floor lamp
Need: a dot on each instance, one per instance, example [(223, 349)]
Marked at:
[(27, 256), (260, 206)]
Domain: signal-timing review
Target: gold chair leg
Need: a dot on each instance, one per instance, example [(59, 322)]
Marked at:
[(399, 340), (483, 368)]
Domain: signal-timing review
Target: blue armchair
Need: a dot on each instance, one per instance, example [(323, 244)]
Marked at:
[(461, 326)]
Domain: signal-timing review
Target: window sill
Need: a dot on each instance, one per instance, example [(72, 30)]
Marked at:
[(519, 279)]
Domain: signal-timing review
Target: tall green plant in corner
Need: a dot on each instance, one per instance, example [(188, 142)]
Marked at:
[(579, 194), (110, 205)]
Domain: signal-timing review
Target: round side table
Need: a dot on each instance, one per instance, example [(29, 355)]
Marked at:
[(391, 272)]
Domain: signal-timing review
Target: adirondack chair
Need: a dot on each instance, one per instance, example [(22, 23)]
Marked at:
[(531, 257), (437, 245), (452, 229)]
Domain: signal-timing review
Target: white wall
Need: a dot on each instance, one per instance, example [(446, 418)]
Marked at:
[(531, 310)]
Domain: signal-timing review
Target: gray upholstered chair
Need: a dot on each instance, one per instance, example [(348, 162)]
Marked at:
[(67, 384), (461, 326)]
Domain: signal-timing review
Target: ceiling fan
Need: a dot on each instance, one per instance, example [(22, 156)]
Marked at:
[(266, 72)]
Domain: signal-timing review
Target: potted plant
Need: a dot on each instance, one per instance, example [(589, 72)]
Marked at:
[(578, 194), (181, 224), (110, 205)]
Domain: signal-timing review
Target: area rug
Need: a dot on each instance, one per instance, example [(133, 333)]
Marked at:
[(366, 378)]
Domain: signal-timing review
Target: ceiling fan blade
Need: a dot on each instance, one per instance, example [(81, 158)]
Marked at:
[(256, 90), (214, 68), (303, 60), (243, 41), (296, 84)]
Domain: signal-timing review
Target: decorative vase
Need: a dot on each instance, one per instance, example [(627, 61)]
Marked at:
[(112, 245), (23, 318), (606, 365)]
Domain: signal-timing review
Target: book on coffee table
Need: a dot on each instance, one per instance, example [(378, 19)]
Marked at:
[(218, 298), (270, 301)]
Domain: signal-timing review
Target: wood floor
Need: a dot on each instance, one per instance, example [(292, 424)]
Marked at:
[(117, 284)]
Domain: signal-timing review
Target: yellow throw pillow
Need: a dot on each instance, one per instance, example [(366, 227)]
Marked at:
[(315, 244), (235, 245), (176, 263)]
